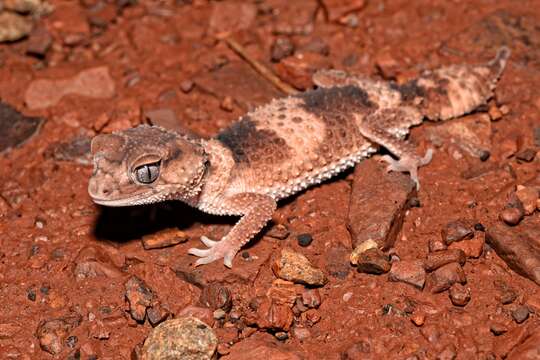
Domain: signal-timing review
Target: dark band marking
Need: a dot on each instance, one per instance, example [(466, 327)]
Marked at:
[(251, 145)]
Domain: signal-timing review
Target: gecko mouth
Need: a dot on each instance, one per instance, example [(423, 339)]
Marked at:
[(139, 199)]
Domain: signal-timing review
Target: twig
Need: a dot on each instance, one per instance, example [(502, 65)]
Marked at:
[(260, 68)]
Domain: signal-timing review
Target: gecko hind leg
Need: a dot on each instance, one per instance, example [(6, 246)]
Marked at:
[(409, 164)]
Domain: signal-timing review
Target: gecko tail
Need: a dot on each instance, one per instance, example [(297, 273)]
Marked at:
[(498, 63)]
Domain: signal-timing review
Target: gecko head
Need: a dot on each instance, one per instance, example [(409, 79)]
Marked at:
[(144, 165)]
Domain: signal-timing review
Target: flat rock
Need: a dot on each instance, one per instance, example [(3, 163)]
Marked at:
[(373, 261), (409, 272), (472, 248), (457, 230), (15, 128), (13, 26), (439, 258), (295, 267), (378, 203), (94, 83), (183, 338), (164, 238), (518, 246), (75, 150)]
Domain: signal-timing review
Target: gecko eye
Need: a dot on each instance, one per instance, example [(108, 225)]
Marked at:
[(147, 173)]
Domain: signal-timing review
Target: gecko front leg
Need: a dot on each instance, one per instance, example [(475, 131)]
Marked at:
[(257, 210)]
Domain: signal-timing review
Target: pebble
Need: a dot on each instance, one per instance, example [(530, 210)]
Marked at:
[(295, 267), (278, 231), (298, 70), (459, 295), (507, 294), (185, 338), (439, 258), (409, 272), (39, 43), (304, 240), (281, 335), (511, 216), (528, 196), (436, 245), (139, 297), (15, 129), (457, 230), (13, 27), (472, 248), (301, 333), (186, 86), (281, 48), (164, 238), (157, 314), (360, 249), (520, 314), (52, 333), (526, 155), (418, 318), (497, 328), (494, 113), (216, 296), (446, 276), (373, 261), (311, 298), (94, 83), (219, 314)]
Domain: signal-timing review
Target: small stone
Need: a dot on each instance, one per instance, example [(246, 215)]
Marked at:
[(446, 276), (472, 248), (311, 298), (31, 294), (526, 155), (39, 42), (24, 6), (498, 328), (186, 86), (459, 295), (520, 314), (15, 129), (304, 239), (281, 335), (511, 216), (281, 48), (182, 338), (373, 261), (439, 258), (436, 245), (139, 297), (52, 333), (216, 296), (360, 249), (418, 318), (13, 27), (163, 117), (414, 202), (219, 314), (278, 231), (479, 227), (297, 268), (457, 231), (156, 314), (528, 196), (227, 104), (298, 70), (164, 238), (245, 255), (301, 333), (409, 272), (484, 155), (494, 113)]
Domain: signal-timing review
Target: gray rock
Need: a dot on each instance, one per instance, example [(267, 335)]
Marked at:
[(15, 128), (13, 27), (185, 338)]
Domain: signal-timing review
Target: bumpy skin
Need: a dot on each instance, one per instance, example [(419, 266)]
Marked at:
[(283, 147)]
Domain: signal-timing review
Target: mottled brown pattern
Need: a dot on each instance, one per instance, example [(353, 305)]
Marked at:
[(339, 108), (251, 145)]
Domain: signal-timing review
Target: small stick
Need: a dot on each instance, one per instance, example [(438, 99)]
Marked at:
[(260, 68)]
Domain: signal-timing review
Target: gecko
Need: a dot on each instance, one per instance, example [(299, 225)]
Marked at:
[(284, 147)]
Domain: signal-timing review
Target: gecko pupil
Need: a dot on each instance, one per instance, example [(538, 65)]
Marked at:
[(147, 173)]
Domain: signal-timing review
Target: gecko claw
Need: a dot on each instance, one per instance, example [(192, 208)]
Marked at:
[(409, 164), (216, 250)]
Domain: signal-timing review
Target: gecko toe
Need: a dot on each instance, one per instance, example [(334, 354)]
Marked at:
[(199, 252), (204, 260), (208, 242)]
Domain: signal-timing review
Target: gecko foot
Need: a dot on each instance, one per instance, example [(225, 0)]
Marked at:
[(409, 164), (216, 250)]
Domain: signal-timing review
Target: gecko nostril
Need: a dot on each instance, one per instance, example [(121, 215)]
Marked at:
[(105, 191)]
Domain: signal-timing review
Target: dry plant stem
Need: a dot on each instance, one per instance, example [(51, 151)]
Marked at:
[(260, 68)]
